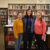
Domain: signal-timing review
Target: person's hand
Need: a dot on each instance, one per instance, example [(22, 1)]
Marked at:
[(43, 37)]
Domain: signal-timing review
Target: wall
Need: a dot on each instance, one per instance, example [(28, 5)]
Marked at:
[(47, 1), (4, 3)]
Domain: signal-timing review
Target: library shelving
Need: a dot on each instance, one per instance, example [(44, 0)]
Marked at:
[(4, 16), (9, 38), (13, 9)]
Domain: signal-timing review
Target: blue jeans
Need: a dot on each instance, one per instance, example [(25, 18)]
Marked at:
[(17, 41)]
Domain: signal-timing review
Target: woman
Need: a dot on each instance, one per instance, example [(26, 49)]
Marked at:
[(18, 30), (40, 30), (28, 22)]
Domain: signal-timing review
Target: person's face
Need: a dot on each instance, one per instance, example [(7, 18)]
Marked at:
[(38, 15), (29, 12), (20, 15)]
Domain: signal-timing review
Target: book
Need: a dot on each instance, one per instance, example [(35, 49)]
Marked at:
[(10, 6), (42, 7), (24, 12), (38, 7), (47, 7), (43, 13), (33, 7), (10, 12), (33, 13), (9, 21), (9, 29), (11, 43), (16, 6), (20, 6), (14, 13), (46, 19), (49, 23)]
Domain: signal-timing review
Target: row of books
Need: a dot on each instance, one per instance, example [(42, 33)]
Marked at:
[(12, 14), (10, 29), (3, 15), (9, 37), (11, 20), (3, 20), (15, 12), (21, 6), (24, 6), (46, 18), (3, 12), (12, 44), (3, 23), (24, 12)]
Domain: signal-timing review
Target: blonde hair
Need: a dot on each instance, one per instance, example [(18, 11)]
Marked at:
[(39, 11)]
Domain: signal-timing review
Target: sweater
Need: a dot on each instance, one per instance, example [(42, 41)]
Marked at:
[(40, 28), (17, 27)]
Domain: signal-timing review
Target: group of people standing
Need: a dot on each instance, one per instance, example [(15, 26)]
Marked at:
[(26, 27)]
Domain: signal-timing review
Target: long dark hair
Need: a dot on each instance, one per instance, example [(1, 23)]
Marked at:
[(26, 16)]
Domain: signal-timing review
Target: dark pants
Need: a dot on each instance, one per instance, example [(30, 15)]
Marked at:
[(27, 38), (40, 42)]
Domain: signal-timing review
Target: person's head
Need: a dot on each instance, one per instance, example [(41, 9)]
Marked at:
[(19, 15), (39, 15), (28, 13)]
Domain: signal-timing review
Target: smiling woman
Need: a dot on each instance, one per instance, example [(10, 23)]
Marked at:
[(18, 30), (40, 30), (28, 21)]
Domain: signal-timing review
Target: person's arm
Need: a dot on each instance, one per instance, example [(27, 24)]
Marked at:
[(23, 18), (15, 29), (34, 17), (32, 25), (44, 30)]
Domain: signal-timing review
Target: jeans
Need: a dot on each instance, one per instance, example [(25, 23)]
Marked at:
[(17, 41)]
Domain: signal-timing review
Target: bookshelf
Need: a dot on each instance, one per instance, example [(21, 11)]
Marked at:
[(14, 8), (9, 38), (4, 16)]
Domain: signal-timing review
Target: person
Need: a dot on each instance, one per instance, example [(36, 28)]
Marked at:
[(18, 30), (40, 30), (28, 24)]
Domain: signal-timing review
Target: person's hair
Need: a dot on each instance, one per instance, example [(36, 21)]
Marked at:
[(26, 16), (41, 15), (18, 13)]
